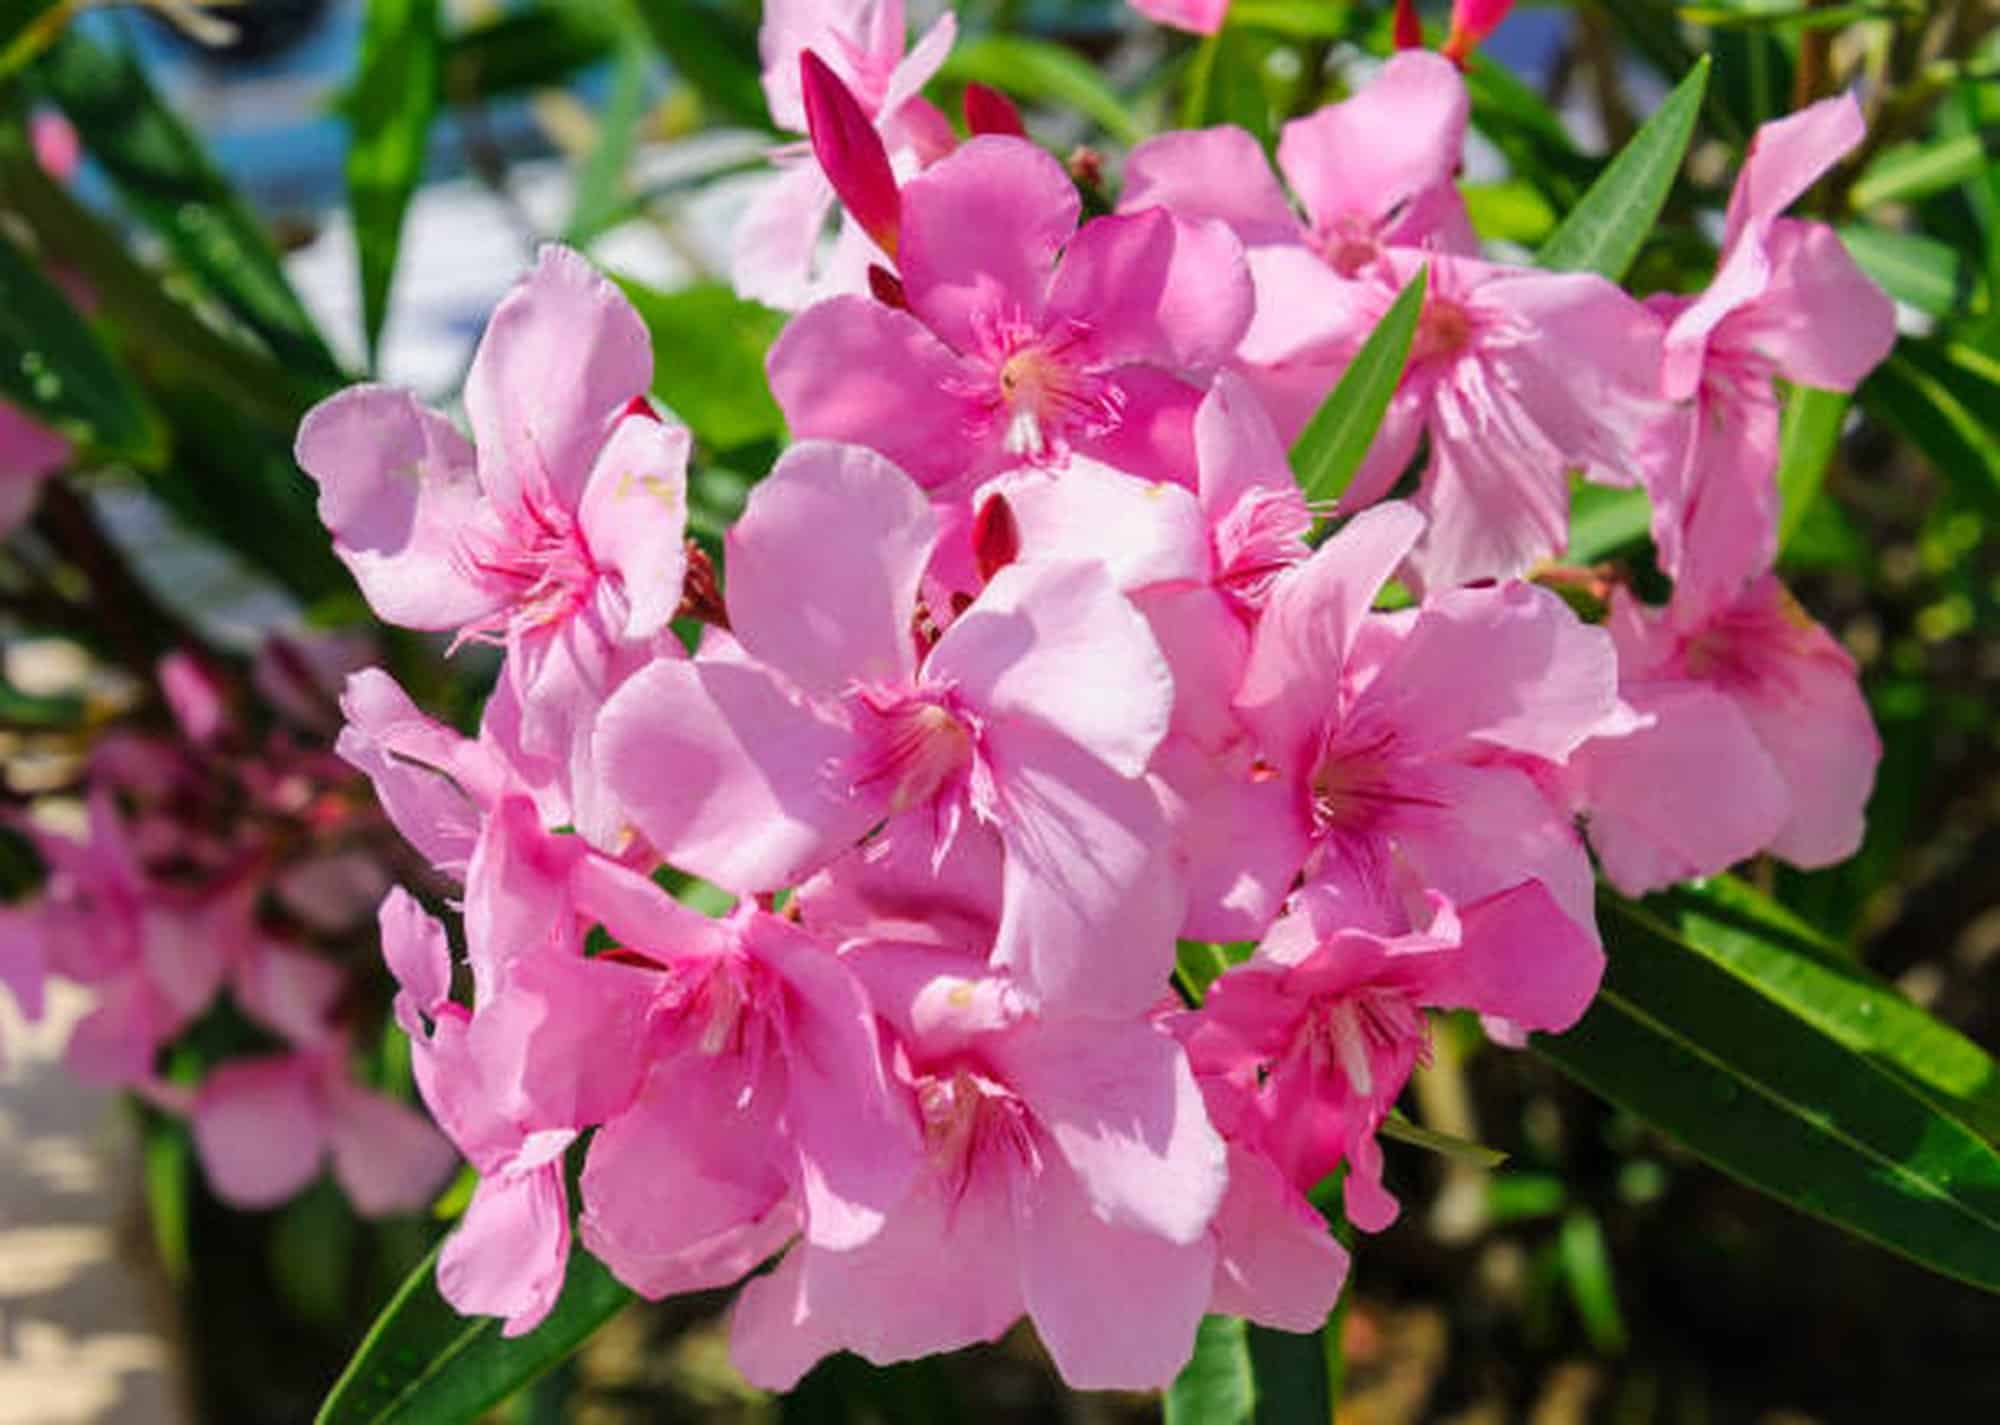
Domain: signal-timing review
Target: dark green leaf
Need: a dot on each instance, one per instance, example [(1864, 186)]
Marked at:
[(1244, 1374), (708, 360), (1772, 1097), (169, 184), (1226, 85), (1605, 230), (1528, 132), (1922, 393), (712, 54), (424, 1364), (389, 117), (1043, 73), (527, 48), (52, 365), (1460, 1150), (1335, 441), (1810, 434), (1930, 275), (1753, 76)]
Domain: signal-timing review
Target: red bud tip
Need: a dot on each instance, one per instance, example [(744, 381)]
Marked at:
[(887, 287), (850, 152), (1409, 29), (1471, 22), (640, 406), (996, 537), (988, 111)]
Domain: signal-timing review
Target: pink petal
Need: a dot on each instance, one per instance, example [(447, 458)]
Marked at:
[(418, 767), (634, 519), (1201, 17), (1494, 512), (1143, 532), (916, 69), (981, 230), (1786, 157), (1121, 1105), (1487, 829), (386, 1156), (261, 1129), (1821, 320), (850, 527), (776, 240), (1276, 1262), (1239, 840), (290, 991), (506, 1257), (539, 437), (1522, 958), (851, 369), (1210, 173), (1690, 795), (1090, 908), (396, 488), (729, 777), (1156, 288), (1399, 136), (418, 955)]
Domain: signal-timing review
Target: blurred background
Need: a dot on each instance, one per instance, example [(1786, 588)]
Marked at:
[(1599, 1274)]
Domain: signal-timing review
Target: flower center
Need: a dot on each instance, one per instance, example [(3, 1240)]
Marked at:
[(544, 566), (1042, 386), (1263, 535), (1349, 243), (916, 747), (1444, 329), (1372, 1036)]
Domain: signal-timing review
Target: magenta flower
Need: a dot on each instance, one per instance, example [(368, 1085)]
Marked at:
[(1757, 739), (1029, 719), (1022, 337), (561, 538), (29, 454), (1787, 300), (1069, 1172)]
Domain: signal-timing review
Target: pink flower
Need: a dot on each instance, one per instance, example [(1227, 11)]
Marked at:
[(1021, 336), (561, 538), (263, 1127), (1788, 301), (861, 42), (1757, 738), (1371, 172), (840, 706), (1396, 736), (29, 454), (1516, 377), (1201, 17), (1069, 1172), (1305, 1048), (1471, 22)]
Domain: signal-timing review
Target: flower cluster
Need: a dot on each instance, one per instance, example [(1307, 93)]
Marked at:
[(1029, 659), (216, 882)]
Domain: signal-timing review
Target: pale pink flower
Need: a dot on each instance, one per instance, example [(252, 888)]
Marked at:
[(1069, 1172), (561, 538), (839, 705), (1787, 300), (1019, 336), (1200, 17), (1757, 739)]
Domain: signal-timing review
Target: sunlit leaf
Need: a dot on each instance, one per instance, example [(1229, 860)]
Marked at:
[(389, 114), (708, 360), (1335, 441), (1245, 1374), (712, 53), (52, 365), (1930, 275), (1809, 436)]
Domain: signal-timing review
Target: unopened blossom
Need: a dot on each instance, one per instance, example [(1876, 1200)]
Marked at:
[(777, 242), (1756, 737), (1787, 301), (1018, 336), (838, 706), (1069, 1172), (560, 538)]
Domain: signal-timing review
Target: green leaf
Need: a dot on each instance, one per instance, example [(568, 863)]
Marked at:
[(1810, 434), (600, 200), (1509, 211), (527, 48), (168, 1160), (712, 53), (389, 114), (168, 183), (1043, 73), (1300, 19), (1245, 1374), (1929, 275), (52, 365), (1445, 1145), (1226, 85), (1335, 441), (1586, 1267), (1911, 171), (1609, 224), (1527, 131), (1941, 409), (424, 1364), (708, 360), (1603, 521), (1770, 1095)]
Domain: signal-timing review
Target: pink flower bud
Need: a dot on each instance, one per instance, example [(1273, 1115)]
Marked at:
[(1471, 22), (57, 148), (850, 152), (988, 111), (1409, 29)]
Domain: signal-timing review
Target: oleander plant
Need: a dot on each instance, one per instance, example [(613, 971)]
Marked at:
[(1225, 635)]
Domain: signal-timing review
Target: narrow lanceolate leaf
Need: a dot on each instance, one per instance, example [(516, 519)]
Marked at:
[(1603, 521), (1044, 73), (1947, 413), (168, 183), (1335, 441), (1724, 1051), (1605, 230), (424, 1364), (52, 366), (1930, 275), (1811, 431), (527, 47), (1244, 1374), (389, 116)]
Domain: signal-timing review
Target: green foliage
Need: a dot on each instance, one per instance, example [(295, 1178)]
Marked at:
[(1336, 440), (527, 48), (389, 116), (708, 360), (712, 53), (52, 364), (424, 1364), (1245, 1374), (1043, 73), (1807, 439)]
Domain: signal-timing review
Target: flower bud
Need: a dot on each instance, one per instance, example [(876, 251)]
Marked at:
[(850, 152), (988, 111)]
